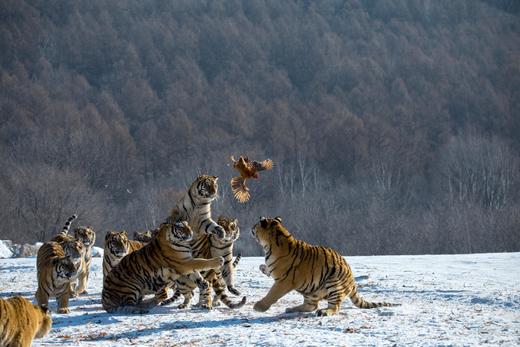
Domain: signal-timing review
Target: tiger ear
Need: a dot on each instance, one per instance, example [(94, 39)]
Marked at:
[(278, 218), (264, 223), (215, 178)]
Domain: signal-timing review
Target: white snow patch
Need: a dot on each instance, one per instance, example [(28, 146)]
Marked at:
[(97, 252), (446, 300), (5, 249)]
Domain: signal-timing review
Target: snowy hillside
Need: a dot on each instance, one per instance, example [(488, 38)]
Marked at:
[(446, 300)]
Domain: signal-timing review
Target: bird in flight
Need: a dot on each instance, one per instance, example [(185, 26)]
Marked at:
[(247, 169)]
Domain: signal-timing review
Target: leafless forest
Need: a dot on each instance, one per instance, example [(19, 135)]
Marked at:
[(394, 125)]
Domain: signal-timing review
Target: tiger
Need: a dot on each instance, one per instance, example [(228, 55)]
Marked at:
[(117, 245), (87, 237), (316, 272), (152, 269), (21, 322), (145, 236), (195, 208), (218, 279), (57, 268), (223, 247), (63, 235)]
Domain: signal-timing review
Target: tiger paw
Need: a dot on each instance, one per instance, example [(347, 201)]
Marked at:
[(63, 310), (219, 232), (205, 306), (260, 307), (324, 312), (233, 290), (217, 263), (74, 294), (182, 306)]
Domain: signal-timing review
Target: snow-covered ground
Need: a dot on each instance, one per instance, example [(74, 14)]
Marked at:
[(446, 300)]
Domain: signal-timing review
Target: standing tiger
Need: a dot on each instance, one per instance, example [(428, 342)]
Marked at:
[(117, 245), (315, 272), (223, 247), (152, 269), (195, 208), (219, 279), (57, 268), (21, 322), (87, 237)]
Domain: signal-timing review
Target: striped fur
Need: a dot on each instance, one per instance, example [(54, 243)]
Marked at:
[(68, 223), (237, 260), (318, 273), (219, 279), (152, 269), (57, 267), (223, 247), (117, 245), (87, 237), (195, 208), (21, 322)]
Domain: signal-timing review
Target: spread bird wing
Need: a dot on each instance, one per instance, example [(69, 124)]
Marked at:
[(240, 191), (264, 165)]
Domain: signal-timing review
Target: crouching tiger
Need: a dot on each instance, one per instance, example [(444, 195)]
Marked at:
[(152, 269), (318, 273)]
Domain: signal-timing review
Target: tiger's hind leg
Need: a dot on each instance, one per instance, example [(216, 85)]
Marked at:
[(187, 299), (309, 304), (142, 307), (335, 296)]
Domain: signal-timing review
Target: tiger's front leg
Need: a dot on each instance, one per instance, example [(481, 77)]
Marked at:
[(210, 227), (278, 290), (63, 299), (200, 264)]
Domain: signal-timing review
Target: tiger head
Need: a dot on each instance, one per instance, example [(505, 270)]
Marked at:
[(116, 243), (231, 229), (269, 230), (44, 320), (65, 268), (85, 235), (177, 232), (204, 189), (73, 249)]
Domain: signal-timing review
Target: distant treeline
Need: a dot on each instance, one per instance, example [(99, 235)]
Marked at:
[(394, 125)]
